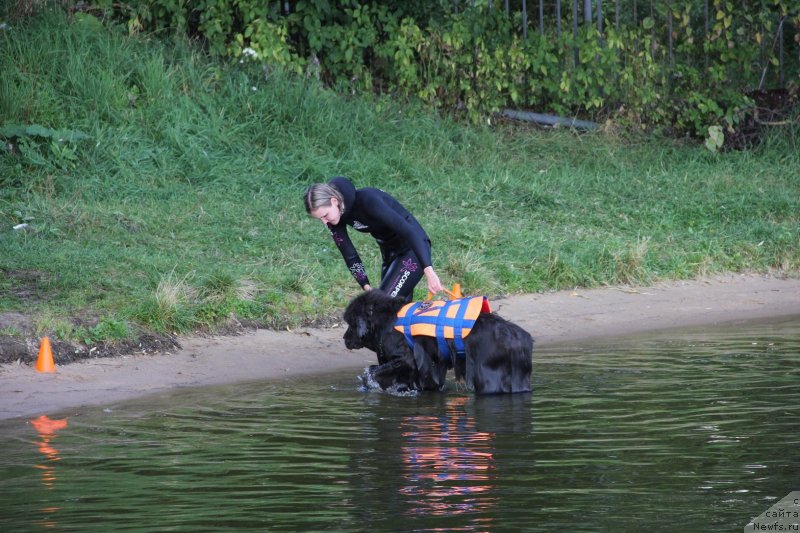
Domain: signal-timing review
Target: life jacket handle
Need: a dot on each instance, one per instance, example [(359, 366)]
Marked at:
[(454, 294)]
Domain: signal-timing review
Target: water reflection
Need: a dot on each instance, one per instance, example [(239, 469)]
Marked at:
[(682, 432), (439, 459), (448, 466), (48, 429)]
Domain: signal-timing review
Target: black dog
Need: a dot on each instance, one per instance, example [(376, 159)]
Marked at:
[(498, 355)]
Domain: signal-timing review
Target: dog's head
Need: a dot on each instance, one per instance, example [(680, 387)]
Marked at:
[(368, 316)]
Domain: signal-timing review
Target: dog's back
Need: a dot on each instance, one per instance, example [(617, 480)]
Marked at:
[(499, 356)]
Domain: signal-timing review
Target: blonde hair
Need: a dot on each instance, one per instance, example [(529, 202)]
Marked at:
[(320, 195)]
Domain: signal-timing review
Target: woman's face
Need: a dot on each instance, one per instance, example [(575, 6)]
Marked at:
[(328, 214)]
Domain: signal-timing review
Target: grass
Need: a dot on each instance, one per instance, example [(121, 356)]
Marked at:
[(182, 210)]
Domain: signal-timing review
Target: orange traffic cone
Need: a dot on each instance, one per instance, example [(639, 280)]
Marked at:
[(45, 361)]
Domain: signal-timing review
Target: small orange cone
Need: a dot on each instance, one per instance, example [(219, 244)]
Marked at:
[(45, 361)]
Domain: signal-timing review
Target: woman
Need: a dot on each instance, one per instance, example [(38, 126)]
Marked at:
[(405, 247)]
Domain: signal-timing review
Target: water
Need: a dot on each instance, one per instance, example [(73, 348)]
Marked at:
[(687, 431)]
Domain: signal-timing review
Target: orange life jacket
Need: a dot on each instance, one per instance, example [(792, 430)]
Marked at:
[(450, 319)]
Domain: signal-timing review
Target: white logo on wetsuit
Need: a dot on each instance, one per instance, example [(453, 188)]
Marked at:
[(401, 283), (359, 226)]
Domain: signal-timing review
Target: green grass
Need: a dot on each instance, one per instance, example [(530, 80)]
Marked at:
[(182, 210)]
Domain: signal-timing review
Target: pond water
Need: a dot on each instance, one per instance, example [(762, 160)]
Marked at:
[(680, 431)]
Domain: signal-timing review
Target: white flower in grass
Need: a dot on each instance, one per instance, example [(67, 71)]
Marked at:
[(249, 52)]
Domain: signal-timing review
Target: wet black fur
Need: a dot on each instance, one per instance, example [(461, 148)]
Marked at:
[(498, 354)]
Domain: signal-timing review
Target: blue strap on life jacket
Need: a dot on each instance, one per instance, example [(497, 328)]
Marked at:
[(441, 322), (405, 322), (461, 322)]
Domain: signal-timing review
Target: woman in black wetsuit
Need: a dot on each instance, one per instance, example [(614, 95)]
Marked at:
[(405, 247)]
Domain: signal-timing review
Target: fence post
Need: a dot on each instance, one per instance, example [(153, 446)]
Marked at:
[(780, 52), (575, 32), (524, 20), (600, 16), (652, 30), (541, 17), (705, 38), (558, 18), (669, 29)]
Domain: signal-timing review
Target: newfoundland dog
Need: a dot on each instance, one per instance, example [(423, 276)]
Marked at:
[(494, 355)]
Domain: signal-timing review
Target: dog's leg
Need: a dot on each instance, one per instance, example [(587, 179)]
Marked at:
[(431, 368), (492, 375), (394, 375)]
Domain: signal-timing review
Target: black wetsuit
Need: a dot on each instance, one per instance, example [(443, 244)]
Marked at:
[(405, 247)]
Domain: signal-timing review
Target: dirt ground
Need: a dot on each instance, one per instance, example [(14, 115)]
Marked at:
[(552, 318)]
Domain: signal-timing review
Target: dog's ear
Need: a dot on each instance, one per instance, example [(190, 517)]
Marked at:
[(361, 328)]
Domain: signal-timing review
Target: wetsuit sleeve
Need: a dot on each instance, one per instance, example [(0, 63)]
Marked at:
[(411, 232), (349, 253)]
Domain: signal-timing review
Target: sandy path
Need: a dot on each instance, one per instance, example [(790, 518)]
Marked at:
[(551, 318)]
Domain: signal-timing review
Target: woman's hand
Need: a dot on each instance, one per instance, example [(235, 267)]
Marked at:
[(432, 279)]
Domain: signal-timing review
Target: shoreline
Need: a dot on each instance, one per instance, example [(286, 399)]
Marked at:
[(552, 318)]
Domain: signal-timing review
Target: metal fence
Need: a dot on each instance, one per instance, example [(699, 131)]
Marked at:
[(777, 21)]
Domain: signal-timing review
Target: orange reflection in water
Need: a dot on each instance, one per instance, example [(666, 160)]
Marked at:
[(47, 429), (448, 465)]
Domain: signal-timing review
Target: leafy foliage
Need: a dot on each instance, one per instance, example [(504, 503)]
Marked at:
[(676, 68), (41, 146)]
